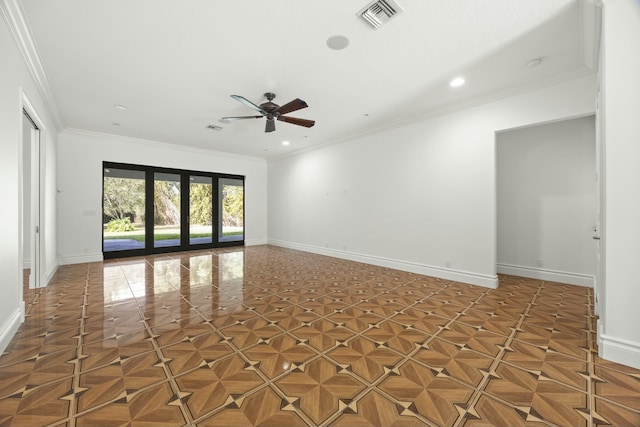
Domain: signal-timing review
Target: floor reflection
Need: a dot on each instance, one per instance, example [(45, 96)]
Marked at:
[(231, 274)]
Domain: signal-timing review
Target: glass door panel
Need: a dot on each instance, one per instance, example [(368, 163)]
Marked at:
[(166, 210), (149, 210), (123, 209), (231, 210), (200, 210)]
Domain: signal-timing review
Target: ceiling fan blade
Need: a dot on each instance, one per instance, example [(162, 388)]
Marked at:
[(249, 104), (295, 105), (296, 121), (241, 118), (271, 125)]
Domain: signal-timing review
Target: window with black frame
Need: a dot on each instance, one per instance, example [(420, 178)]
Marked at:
[(150, 210)]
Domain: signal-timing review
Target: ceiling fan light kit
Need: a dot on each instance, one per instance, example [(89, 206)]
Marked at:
[(272, 112)]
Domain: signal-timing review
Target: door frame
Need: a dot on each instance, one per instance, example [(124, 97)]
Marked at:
[(599, 284), (36, 142)]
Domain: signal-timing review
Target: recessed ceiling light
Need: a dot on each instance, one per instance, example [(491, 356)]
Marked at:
[(534, 62), (119, 107), (285, 143), (337, 42), (458, 81)]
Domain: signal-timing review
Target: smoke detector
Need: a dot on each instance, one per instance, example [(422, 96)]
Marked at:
[(379, 12)]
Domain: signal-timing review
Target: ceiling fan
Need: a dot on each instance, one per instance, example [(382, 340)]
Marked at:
[(273, 111)]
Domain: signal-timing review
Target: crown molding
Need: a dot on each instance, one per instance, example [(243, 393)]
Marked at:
[(590, 27), (13, 14)]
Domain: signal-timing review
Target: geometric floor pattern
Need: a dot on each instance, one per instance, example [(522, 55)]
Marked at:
[(267, 336)]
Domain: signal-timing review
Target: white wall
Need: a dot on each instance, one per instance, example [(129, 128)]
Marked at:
[(547, 201), (15, 80), (80, 184), (619, 326), (421, 197)]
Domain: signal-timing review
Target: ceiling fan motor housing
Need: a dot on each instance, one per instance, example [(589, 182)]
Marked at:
[(269, 107)]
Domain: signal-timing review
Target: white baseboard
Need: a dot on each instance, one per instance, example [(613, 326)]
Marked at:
[(619, 350), (79, 259), (26, 263), (484, 280), (255, 242), (549, 275), (11, 325)]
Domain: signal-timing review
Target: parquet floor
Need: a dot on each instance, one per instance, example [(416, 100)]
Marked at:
[(266, 336)]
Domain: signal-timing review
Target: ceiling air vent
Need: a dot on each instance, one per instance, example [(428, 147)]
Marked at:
[(379, 12)]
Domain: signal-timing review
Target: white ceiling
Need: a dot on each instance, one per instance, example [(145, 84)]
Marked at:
[(173, 64)]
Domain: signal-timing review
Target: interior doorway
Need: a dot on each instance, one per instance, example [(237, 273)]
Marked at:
[(546, 201), (31, 255)]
